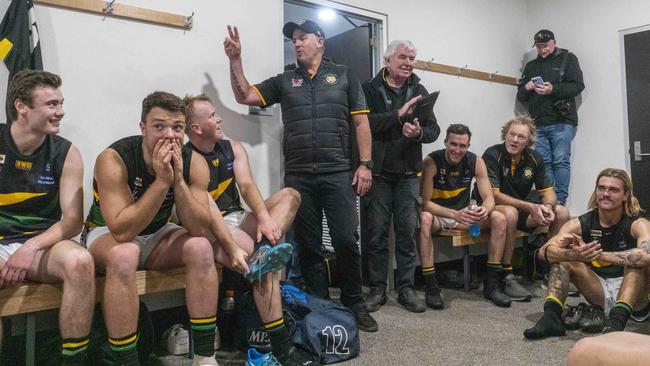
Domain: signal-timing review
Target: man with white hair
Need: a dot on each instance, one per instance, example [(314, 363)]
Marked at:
[(397, 155)]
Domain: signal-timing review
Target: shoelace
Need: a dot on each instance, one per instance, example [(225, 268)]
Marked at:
[(260, 258)]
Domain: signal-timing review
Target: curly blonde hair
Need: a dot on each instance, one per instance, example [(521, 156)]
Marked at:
[(524, 120)]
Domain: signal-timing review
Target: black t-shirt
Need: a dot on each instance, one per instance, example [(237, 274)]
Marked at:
[(615, 238), (516, 180)]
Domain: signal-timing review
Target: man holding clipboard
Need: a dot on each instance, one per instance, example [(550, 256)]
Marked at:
[(397, 134)]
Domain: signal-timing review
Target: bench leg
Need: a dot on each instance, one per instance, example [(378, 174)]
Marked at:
[(466, 271), (30, 339)]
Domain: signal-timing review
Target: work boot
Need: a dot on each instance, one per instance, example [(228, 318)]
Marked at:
[(375, 299), (433, 298), (492, 290), (365, 321), (410, 300)]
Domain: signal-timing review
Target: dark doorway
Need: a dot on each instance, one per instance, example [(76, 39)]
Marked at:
[(352, 49), (637, 79)]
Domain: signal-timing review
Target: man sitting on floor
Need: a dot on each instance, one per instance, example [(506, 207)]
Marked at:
[(138, 179), (237, 230), (41, 206), (513, 167), (611, 279), (446, 185)]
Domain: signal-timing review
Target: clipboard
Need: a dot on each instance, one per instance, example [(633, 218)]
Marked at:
[(424, 107)]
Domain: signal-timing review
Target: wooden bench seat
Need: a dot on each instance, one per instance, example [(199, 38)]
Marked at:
[(31, 297), (461, 238)]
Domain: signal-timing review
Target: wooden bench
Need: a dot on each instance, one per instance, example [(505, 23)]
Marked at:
[(29, 298), (461, 238)]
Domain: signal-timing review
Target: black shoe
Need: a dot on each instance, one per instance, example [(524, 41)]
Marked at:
[(572, 316), (365, 321), (433, 298), (593, 321), (613, 325), (296, 357), (550, 325), (410, 300), (375, 299), (492, 291)]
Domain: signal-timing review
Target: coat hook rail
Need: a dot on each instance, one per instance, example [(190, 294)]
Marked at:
[(111, 8), (465, 72)]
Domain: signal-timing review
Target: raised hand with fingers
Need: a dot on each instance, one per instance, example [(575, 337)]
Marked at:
[(232, 44)]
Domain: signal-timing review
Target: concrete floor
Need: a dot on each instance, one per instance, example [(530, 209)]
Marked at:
[(470, 331)]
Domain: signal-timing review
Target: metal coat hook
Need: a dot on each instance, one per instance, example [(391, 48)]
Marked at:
[(491, 77), (189, 21), (429, 62), (460, 69), (108, 9)]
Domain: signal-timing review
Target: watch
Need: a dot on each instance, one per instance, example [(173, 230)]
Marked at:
[(367, 163)]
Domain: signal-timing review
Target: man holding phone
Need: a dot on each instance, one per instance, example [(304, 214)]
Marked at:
[(397, 138), (550, 84)]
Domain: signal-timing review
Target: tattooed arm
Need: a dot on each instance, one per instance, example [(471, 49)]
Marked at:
[(638, 257), (244, 92), (568, 246)]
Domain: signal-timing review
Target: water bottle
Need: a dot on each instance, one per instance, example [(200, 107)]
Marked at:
[(227, 320), (475, 227)]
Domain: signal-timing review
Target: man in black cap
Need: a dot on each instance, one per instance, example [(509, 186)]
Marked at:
[(550, 84), (321, 102)]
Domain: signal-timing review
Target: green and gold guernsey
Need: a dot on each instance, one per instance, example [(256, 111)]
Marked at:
[(452, 183), (139, 180), (614, 238), (223, 185), (29, 187)]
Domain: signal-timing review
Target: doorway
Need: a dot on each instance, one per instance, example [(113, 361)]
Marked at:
[(636, 78)]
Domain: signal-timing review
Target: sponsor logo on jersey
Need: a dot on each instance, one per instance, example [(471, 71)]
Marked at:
[(137, 182), (331, 79), (296, 83), (45, 179), (2, 158), (24, 165), (215, 163)]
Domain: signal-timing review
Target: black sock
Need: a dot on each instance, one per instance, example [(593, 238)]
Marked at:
[(203, 335), (73, 351), (279, 336), (430, 280), (126, 349), (550, 324), (618, 316)]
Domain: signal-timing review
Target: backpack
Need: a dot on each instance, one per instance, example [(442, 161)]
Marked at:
[(322, 327)]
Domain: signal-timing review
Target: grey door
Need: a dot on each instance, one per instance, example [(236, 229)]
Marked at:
[(637, 77), (353, 49)]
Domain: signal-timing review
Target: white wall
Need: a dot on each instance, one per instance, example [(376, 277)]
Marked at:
[(108, 65), (590, 29)]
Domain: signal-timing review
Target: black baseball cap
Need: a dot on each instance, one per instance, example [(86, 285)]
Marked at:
[(543, 36), (305, 25)]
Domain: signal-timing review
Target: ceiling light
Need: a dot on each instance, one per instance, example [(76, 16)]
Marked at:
[(326, 14)]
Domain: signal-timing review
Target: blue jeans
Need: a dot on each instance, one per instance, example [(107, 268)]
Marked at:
[(554, 143)]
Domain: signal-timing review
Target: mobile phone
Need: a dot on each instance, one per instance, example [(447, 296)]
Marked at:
[(537, 80)]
